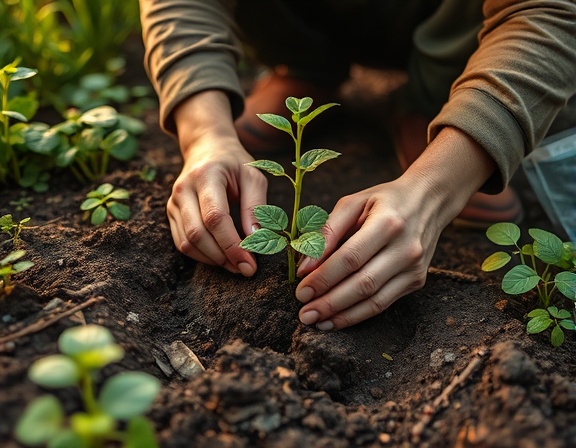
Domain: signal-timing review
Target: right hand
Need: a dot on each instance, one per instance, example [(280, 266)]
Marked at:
[(214, 174)]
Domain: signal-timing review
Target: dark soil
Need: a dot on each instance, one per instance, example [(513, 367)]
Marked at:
[(448, 366)]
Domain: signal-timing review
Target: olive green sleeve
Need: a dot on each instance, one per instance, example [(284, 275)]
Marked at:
[(190, 46), (516, 82)]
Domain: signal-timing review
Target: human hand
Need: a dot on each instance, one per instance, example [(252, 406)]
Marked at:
[(212, 177), (379, 242), (198, 209)]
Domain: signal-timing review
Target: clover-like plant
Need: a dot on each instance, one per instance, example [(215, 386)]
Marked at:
[(115, 415), (13, 228), (547, 265), (302, 235), (104, 201), (9, 265)]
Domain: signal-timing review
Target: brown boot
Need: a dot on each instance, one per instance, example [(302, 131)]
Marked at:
[(482, 210), (268, 96)]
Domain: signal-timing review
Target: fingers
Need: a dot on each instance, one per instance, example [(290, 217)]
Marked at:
[(330, 314)]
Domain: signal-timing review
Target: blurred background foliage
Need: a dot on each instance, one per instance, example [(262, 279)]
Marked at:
[(76, 46)]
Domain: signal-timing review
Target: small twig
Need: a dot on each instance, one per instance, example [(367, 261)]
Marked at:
[(453, 274), (442, 399), (47, 321)]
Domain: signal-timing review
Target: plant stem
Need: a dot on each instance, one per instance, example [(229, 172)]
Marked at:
[(297, 195), (87, 389), (6, 122)]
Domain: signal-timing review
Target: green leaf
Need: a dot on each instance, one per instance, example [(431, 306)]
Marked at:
[(12, 257), (269, 166), (96, 81), (118, 193), (40, 138), (98, 358), (98, 215), (496, 261), (54, 371), (312, 159), (128, 394), (527, 249), (520, 279), (90, 139), (568, 324), (566, 284), (271, 217), (121, 144), (297, 105), (311, 244), (83, 338), (562, 314), (21, 266), (67, 438), (538, 312), (311, 218), (503, 233), (264, 241), (23, 73), (140, 434), (105, 189), (90, 203), (16, 115), (557, 336), (41, 421), (92, 426), (538, 324), (553, 311), (119, 211), (547, 246), (27, 105), (308, 118), (102, 116), (276, 121)]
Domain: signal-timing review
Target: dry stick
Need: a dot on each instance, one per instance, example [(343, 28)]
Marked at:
[(453, 274), (458, 380), (46, 322)]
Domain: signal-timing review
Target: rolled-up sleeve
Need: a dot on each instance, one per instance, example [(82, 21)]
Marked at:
[(516, 82), (190, 46)]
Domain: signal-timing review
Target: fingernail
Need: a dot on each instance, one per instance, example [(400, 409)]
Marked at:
[(305, 294), (245, 269), (304, 264), (309, 317), (254, 228), (327, 325)]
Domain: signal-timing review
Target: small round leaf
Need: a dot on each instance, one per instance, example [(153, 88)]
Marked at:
[(264, 241), (128, 394), (557, 336), (55, 371), (520, 279), (41, 421), (311, 218), (503, 233), (496, 261), (538, 324), (311, 244), (271, 217)]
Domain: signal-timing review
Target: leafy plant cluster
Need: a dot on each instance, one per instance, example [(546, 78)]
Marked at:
[(83, 143), (116, 414), (302, 234), (66, 39), (548, 266), (13, 262)]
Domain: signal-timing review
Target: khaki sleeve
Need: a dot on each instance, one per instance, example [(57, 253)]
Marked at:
[(190, 46), (515, 83)]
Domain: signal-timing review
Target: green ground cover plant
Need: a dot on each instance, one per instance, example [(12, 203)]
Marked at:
[(104, 202), (302, 234), (66, 39), (10, 265), (13, 228), (116, 414), (547, 265)]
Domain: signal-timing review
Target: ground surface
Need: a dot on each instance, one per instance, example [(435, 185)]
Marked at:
[(447, 366)]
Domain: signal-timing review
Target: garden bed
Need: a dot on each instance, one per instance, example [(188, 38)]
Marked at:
[(449, 365)]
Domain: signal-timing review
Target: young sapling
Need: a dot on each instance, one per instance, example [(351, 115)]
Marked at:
[(13, 228), (123, 398), (302, 234), (9, 265), (547, 265), (104, 201)]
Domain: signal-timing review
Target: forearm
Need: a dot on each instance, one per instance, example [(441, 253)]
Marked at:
[(447, 174), (520, 77), (203, 115)]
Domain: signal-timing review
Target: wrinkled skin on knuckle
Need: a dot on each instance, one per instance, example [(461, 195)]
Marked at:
[(213, 218), (194, 234), (367, 284), (352, 258), (377, 305)]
